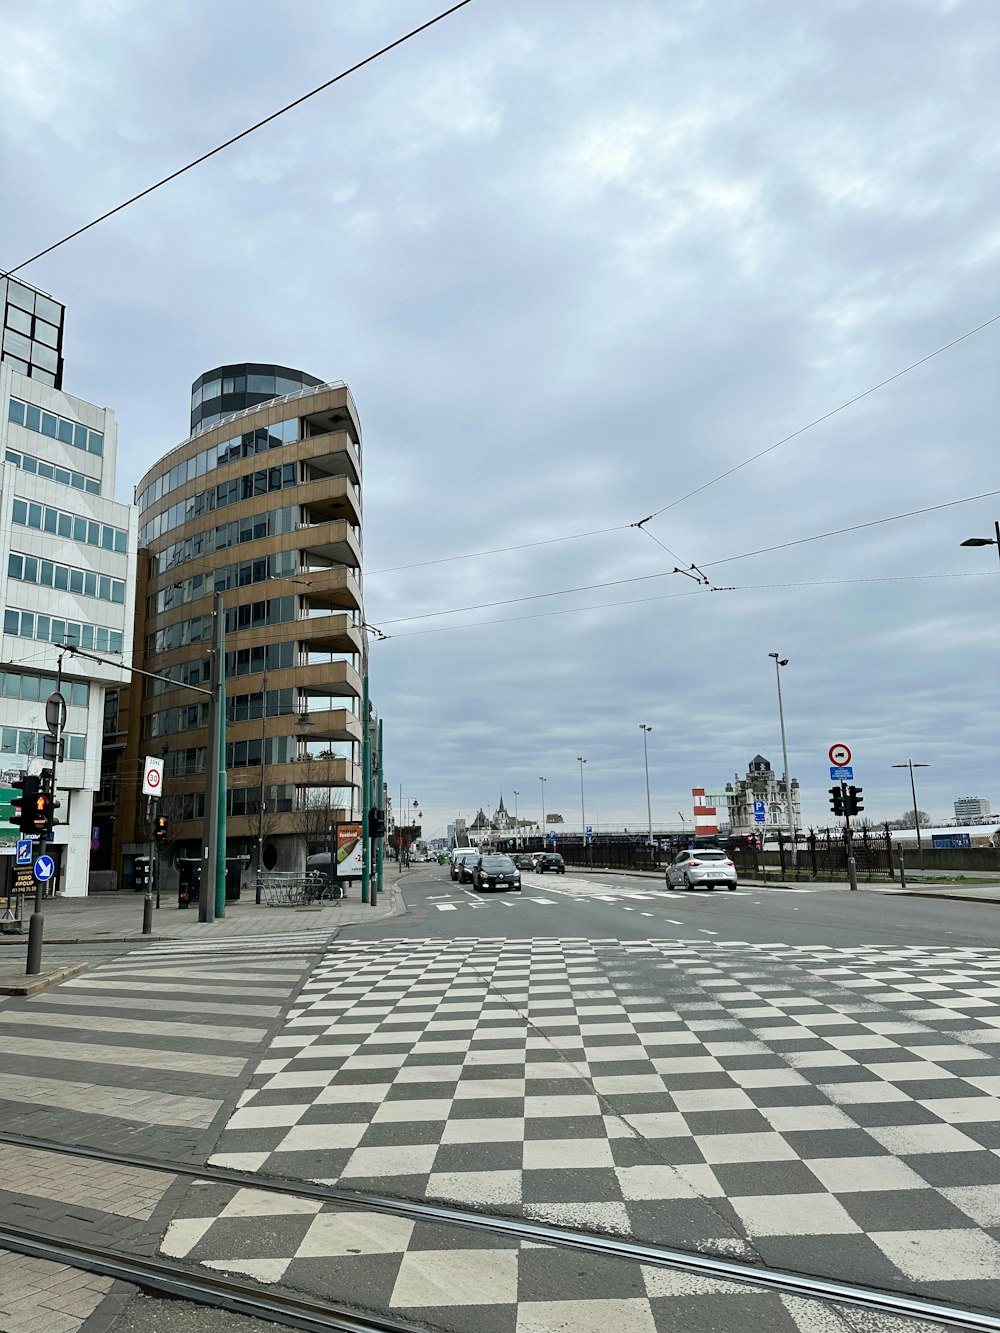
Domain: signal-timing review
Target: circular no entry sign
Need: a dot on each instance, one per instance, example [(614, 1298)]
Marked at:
[(840, 754)]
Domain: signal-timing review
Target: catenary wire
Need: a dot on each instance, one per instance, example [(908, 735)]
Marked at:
[(251, 129), (866, 393), (854, 527), (665, 573), (694, 592)]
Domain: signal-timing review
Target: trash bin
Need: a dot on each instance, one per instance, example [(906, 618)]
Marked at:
[(189, 882)]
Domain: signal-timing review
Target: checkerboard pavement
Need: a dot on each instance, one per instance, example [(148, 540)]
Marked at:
[(828, 1110)]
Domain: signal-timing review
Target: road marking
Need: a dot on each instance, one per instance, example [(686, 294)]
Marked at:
[(645, 913), (672, 922), (708, 932), (446, 907)]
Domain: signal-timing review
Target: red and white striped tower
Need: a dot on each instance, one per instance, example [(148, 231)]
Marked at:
[(705, 818)]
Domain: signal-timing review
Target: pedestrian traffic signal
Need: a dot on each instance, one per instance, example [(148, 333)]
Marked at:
[(24, 806), (161, 828), (837, 800), (854, 802), (376, 823), (42, 816)]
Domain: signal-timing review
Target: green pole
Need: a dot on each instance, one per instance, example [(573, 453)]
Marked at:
[(220, 864), (380, 854), (366, 788)]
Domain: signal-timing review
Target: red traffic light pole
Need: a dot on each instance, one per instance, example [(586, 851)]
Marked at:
[(45, 806)]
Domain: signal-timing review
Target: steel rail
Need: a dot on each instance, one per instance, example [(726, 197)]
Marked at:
[(773, 1279), (191, 1284)]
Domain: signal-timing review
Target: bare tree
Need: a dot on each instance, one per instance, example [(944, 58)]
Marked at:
[(907, 820)]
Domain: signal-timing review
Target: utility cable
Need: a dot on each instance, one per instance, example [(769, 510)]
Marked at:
[(866, 393), (251, 129)]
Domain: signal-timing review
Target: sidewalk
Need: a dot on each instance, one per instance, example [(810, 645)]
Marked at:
[(117, 918)]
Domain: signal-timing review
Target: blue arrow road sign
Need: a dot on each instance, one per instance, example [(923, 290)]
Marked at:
[(843, 774), (590, 830), (759, 811), (24, 848), (45, 868)]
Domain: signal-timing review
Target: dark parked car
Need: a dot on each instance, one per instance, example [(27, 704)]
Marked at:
[(550, 861), (525, 861), (495, 872)]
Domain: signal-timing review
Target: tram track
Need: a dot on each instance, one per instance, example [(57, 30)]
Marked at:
[(191, 1283)]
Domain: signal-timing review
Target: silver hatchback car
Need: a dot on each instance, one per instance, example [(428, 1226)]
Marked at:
[(701, 868)]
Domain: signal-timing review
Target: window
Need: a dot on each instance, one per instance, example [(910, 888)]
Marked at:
[(27, 569), (47, 423), (81, 529)]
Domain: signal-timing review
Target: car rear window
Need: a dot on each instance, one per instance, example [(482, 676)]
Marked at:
[(709, 854)]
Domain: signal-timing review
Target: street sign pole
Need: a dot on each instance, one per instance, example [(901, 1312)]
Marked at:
[(852, 865), (55, 720)]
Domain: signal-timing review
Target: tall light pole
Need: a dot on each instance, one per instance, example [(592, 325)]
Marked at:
[(916, 813), (649, 807), (780, 662), (542, 781), (517, 825), (583, 813)]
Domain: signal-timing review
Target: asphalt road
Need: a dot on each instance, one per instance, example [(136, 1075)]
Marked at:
[(835, 917)]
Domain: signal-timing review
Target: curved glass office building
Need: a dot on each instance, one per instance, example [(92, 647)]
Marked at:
[(263, 504)]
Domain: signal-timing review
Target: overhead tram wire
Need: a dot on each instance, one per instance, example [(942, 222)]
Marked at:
[(243, 134), (866, 393), (667, 597), (666, 573)]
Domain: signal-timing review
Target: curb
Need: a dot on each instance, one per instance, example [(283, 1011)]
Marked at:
[(32, 985)]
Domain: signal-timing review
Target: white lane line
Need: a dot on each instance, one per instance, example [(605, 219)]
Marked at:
[(645, 913), (546, 902), (708, 932), (672, 922), (628, 909)]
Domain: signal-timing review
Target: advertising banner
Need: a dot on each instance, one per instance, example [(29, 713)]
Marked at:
[(349, 850)]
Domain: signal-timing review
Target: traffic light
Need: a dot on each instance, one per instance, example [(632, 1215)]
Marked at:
[(161, 828), (837, 800), (854, 802), (46, 805), (376, 823), (24, 806)]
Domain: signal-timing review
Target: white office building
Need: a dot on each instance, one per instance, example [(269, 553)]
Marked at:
[(67, 573), (972, 810)]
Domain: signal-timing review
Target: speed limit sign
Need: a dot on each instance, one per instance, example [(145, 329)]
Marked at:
[(152, 777), (840, 754)]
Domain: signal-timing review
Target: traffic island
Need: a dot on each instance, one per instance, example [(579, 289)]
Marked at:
[(15, 981)]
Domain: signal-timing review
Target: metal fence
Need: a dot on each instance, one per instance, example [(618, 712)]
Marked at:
[(820, 854)]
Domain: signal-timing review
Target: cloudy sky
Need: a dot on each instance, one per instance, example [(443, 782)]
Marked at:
[(577, 259)]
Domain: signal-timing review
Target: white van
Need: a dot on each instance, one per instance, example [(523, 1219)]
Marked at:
[(458, 857)]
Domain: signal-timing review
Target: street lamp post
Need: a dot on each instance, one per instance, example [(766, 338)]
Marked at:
[(780, 662), (649, 807), (986, 541), (542, 830), (583, 812), (916, 813)]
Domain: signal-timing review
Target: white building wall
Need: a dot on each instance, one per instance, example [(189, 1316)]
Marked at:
[(77, 778)]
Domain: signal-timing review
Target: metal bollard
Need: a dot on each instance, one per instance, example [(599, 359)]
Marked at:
[(852, 871), (902, 870), (147, 914)]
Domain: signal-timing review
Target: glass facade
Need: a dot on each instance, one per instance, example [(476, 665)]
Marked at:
[(226, 451), (35, 689), (240, 575), (32, 332), (253, 528), (231, 492), (227, 389), (13, 740)]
